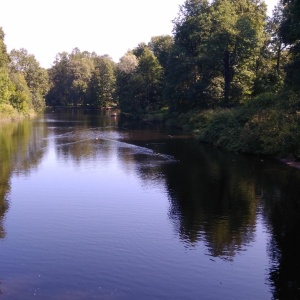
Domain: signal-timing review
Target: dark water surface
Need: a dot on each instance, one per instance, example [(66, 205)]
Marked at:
[(91, 208)]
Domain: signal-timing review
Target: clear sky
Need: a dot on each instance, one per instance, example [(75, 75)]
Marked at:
[(47, 27)]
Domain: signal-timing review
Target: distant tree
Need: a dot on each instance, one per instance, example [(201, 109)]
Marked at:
[(124, 80), (103, 83), (59, 81), (70, 77), (128, 63), (79, 73), (140, 81), (161, 47), (149, 82)]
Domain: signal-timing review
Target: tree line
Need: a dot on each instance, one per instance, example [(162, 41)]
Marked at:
[(228, 72), (23, 83)]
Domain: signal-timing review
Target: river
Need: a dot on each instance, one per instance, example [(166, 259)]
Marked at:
[(92, 207)]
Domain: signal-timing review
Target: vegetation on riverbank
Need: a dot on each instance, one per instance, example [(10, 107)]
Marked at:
[(230, 77), (261, 127), (229, 74), (23, 84)]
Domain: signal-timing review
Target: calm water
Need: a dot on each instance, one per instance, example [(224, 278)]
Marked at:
[(91, 208)]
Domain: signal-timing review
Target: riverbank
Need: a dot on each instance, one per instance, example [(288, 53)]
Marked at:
[(262, 127), (9, 114)]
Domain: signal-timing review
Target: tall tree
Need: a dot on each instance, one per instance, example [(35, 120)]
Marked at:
[(124, 81), (149, 82), (70, 77), (290, 32), (5, 83), (236, 40), (36, 77), (273, 57), (186, 73), (161, 47), (4, 58), (103, 83), (14, 91)]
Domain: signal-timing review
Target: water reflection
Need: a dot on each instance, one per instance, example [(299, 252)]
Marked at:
[(216, 199), (280, 192), (22, 146), (212, 196)]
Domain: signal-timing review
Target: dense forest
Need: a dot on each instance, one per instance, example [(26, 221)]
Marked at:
[(229, 74)]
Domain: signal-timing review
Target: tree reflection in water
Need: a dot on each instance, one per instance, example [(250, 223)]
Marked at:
[(22, 146), (215, 197)]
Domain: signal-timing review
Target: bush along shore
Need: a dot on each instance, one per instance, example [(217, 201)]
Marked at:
[(9, 114), (265, 127)]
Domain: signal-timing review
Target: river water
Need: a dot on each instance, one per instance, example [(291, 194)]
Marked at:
[(92, 207)]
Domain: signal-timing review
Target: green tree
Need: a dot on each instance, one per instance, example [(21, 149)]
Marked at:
[(59, 81), (273, 57), (124, 81), (149, 80), (5, 83), (36, 77), (161, 47), (236, 39), (103, 83), (187, 75), (79, 73), (14, 93), (4, 58), (70, 77), (290, 32), (140, 81)]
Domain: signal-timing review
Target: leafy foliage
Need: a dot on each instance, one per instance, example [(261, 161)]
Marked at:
[(23, 83), (102, 83), (82, 79), (140, 81)]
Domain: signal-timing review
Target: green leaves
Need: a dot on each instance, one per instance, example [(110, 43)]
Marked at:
[(82, 79), (103, 84), (290, 32), (216, 47), (31, 81), (140, 81)]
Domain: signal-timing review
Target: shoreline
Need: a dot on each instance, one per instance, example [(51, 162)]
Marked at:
[(15, 118)]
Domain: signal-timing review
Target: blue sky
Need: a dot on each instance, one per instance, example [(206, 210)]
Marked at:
[(47, 27)]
